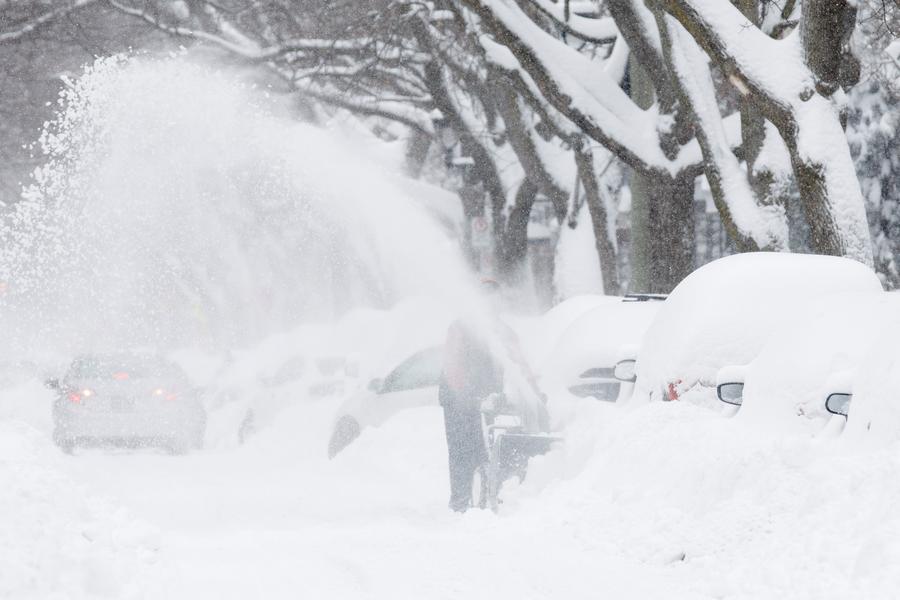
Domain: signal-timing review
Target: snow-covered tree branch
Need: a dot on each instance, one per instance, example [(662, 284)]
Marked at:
[(795, 82)]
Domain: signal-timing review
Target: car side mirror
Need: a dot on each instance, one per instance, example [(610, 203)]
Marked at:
[(731, 393), (625, 371), (52, 384), (375, 385), (838, 404)]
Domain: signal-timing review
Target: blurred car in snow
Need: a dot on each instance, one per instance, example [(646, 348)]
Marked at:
[(299, 379), (724, 313), (554, 323), (806, 369), (584, 361), (317, 361), (126, 399), (412, 383)]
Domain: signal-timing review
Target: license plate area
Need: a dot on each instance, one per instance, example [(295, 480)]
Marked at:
[(121, 404)]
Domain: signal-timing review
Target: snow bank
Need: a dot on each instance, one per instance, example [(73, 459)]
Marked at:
[(715, 509), (790, 377), (28, 402), (55, 541), (724, 312), (645, 501)]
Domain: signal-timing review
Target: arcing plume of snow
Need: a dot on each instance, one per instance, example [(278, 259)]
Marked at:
[(176, 206)]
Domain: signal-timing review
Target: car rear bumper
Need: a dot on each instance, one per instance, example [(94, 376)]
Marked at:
[(77, 424)]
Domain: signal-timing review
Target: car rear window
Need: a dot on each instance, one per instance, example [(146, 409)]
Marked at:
[(120, 367)]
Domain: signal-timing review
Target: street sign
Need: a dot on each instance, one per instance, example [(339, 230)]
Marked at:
[(481, 236)]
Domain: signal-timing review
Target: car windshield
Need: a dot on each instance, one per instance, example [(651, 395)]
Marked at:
[(422, 369), (121, 367)]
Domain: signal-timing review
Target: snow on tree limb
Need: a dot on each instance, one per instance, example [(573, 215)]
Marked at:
[(773, 69), (783, 86), (595, 31), (573, 84), (29, 27), (752, 225)]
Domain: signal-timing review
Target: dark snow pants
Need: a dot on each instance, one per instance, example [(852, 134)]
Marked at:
[(465, 452)]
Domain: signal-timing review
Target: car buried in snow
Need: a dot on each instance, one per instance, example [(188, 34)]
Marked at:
[(807, 368), (725, 312), (410, 384), (870, 403), (594, 357), (126, 399), (299, 378)]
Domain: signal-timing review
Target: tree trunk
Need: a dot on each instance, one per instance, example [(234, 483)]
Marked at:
[(484, 168), (641, 91), (600, 220), (672, 238), (514, 249), (417, 145), (662, 218)]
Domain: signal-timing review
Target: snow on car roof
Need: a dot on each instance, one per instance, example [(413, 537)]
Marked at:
[(556, 321), (596, 338), (791, 375), (723, 313)]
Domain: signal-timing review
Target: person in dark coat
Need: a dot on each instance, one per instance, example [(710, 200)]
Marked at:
[(473, 371), (471, 374)]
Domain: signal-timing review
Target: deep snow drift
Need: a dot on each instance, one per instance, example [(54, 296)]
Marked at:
[(665, 500)]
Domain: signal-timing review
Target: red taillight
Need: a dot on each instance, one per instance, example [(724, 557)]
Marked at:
[(672, 391), (161, 393), (122, 376), (78, 397)]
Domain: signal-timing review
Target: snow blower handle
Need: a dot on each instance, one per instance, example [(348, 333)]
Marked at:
[(494, 404)]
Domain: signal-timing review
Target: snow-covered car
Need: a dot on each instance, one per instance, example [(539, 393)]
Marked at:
[(873, 416), (583, 362), (126, 399), (321, 361), (724, 313), (554, 323), (412, 383), (299, 379), (809, 361)]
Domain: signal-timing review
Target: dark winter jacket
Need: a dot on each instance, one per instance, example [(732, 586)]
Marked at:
[(471, 371)]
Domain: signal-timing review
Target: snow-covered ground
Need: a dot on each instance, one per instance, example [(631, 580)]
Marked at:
[(659, 500)]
